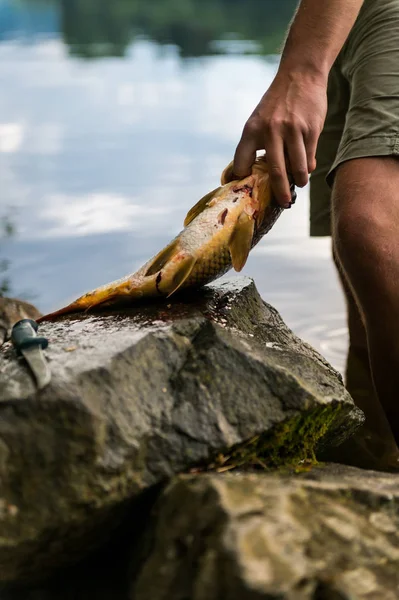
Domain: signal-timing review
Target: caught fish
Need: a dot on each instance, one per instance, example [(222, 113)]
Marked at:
[(219, 232)]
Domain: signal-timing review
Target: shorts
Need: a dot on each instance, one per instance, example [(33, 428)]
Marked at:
[(363, 104)]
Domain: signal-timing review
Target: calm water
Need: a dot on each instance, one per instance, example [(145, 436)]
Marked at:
[(114, 119)]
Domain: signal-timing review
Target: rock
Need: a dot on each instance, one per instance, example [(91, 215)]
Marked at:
[(103, 575), (214, 380), (11, 311), (330, 534)]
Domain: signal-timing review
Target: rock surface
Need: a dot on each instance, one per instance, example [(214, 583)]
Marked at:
[(330, 534), (11, 311), (140, 396)]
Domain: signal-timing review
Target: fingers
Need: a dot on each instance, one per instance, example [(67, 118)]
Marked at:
[(251, 141), (311, 146), (298, 158), (244, 158), (274, 145), (290, 148)]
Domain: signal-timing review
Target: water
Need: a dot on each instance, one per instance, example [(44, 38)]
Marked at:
[(114, 119)]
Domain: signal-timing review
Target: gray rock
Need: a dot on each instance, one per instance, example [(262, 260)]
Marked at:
[(215, 379), (11, 311), (330, 534)]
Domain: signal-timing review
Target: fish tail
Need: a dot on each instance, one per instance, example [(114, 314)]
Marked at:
[(113, 291), (74, 307)]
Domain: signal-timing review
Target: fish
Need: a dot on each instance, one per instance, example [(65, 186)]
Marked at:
[(219, 232)]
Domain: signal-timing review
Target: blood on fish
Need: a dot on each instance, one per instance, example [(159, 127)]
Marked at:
[(158, 281), (248, 189), (244, 188), (222, 216)]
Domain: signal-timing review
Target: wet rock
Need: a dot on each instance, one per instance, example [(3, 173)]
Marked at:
[(214, 380), (331, 534), (11, 311)]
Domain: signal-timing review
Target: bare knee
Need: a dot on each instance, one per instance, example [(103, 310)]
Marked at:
[(366, 225), (361, 235), (366, 209)]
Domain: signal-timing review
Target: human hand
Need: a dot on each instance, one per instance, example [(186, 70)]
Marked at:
[(286, 123)]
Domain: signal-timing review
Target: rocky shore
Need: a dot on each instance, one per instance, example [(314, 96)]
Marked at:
[(174, 456)]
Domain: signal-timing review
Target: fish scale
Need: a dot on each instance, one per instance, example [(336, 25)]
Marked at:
[(218, 263), (220, 230)]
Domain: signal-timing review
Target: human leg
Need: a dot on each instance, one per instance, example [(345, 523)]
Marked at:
[(365, 193), (373, 445), (365, 233), (367, 447)]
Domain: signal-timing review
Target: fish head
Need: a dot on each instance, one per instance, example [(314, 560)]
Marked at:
[(263, 203), (259, 168), (258, 184)]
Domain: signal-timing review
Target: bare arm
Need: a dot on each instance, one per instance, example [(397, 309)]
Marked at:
[(289, 118)]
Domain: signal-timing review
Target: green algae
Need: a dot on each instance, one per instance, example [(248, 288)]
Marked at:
[(291, 443)]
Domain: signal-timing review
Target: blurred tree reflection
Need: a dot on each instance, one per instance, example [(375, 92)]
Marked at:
[(6, 231), (94, 28)]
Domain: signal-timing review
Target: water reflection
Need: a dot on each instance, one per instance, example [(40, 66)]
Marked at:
[(92, 28), (104, 157), (7, 230)]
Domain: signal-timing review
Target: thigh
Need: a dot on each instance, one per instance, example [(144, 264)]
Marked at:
[(370, 64), (365, 232)]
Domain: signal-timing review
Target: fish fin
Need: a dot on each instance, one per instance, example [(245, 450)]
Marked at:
[(99, 296), (201, 205), (241, 240), (162, 258), (228, 174), (183, 272)]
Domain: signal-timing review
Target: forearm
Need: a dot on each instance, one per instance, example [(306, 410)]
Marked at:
[(317, 34), (289, 118)]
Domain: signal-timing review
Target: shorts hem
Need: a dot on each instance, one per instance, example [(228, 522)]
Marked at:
[(320, 229), (373, 146)]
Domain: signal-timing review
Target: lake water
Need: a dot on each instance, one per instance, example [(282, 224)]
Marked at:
[(115, 118)]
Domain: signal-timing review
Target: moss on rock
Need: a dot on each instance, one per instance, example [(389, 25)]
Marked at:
[(290, 443)]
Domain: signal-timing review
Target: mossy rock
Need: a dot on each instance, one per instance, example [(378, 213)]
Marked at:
[(139, 396)]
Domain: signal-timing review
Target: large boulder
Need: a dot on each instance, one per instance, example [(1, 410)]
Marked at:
[(331, 534), (214, 381)]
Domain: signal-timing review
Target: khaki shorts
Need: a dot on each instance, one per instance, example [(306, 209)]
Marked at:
[(363, 103)]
